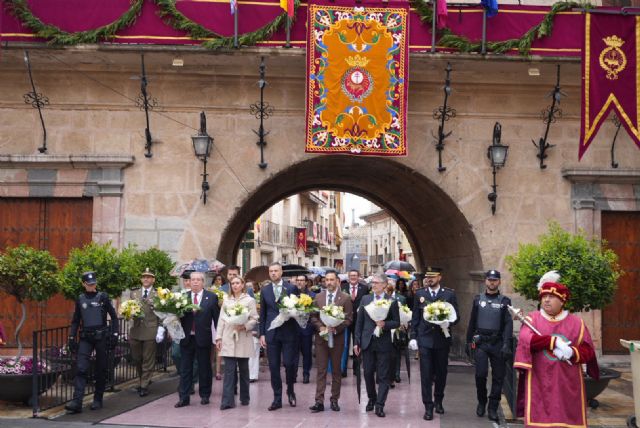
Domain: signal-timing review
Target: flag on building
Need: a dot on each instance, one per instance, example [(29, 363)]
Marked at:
[(301, 239), (442, 13), (491, 6), (234, 6), (610, 74)]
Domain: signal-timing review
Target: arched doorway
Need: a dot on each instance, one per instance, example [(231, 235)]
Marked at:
[(438, 232)]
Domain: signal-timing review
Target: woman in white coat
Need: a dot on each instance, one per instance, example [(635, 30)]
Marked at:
[(235, 343)]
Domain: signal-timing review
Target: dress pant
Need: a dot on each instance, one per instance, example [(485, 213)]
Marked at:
[(345, 353), (192, 352), (279, 351), (143, 354), (324, 354), (484, 354), (229, 383), (85, 348), (377, 364), (176, 356), (433, 369), (305, 346), (254, 362)]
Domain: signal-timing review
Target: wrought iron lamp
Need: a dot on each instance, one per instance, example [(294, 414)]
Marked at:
[(497, 154), (202, 144)]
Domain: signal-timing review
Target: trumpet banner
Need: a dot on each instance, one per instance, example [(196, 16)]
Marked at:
[(611, 75), (357, 67)]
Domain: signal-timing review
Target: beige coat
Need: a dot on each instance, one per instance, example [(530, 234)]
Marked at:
[(147, 327), (243, 347)]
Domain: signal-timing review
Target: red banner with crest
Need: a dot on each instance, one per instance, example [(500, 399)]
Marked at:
[(611, 75), (301, 239)]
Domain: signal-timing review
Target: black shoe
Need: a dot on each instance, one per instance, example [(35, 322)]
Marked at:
[(428, 414), (370, 405), (73, 407), (305, 378), (493, 414), (96, 405), (344, 373), (275, 406), (392, 385), (204, 401), (143, 392), (398, 380), (225, 407), (481, 409), (292, 399), (318, 407), (253, 380), (380, 412), (334, 406), (181, 403), (244, 403), (438, 408)]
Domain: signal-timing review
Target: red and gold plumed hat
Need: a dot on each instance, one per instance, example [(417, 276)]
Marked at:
[(559, 290)]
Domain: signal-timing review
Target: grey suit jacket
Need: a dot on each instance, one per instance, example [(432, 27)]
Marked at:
[(365, 326)]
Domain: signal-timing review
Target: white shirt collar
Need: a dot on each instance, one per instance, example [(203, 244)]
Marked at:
[(431, 290)]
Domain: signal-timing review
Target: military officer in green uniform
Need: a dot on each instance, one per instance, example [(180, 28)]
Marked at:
[(144, 333)]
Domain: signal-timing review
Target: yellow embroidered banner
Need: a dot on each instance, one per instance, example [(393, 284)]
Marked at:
[(357, 66)]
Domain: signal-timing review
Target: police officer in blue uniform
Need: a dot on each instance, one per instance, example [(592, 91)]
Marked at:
[(489, 336), (430, 340), (91, 311)]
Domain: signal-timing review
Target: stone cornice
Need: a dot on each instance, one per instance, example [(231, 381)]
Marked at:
[(66, 161), (602, 175)]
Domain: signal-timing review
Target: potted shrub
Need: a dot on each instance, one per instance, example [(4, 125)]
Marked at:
[(586, 266), (26, 274)]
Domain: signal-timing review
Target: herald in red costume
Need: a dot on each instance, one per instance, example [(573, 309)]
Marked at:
[(551, 391)]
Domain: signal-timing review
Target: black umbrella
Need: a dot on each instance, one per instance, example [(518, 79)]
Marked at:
[(356, 370), (407, 360), (399, 265), (294, 270)]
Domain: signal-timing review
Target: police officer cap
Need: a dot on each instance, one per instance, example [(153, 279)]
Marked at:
[(89, 277), (492, 274), (147, 272), (432, 271), (186, 274)]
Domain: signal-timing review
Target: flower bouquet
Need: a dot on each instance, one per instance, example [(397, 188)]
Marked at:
[(442, 314), (131, 309), (170, 307), (219, 294), (235, 314), (292, 306), (378, 311), (331, 316), (405, 315)]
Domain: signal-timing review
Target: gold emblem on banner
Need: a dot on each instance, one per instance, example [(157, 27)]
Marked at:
[(612, 58)]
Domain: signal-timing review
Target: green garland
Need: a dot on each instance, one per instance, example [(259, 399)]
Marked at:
[(212, 40), (177, 20), (523, 44), (56, 36)]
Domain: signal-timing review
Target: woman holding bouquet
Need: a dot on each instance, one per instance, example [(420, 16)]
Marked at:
[(234, 341)]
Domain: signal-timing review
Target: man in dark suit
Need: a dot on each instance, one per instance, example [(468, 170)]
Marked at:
[(431, 341), (305, 335), (398, 344), (355, 288), (331, 296), (197, 343), (376, 351), (282, 342)]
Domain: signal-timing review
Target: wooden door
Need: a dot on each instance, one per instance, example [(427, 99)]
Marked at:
[(620, 320), (53, 224)]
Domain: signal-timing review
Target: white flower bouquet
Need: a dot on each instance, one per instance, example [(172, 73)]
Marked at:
[(331, 316), (235, 314), (292, 306), (378, 311), (169, 307), (131, 309), (405, 315), (442, 314)]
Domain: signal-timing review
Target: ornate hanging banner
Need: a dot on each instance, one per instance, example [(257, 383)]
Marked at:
[(357, 69), (610, 74), (301, 239)]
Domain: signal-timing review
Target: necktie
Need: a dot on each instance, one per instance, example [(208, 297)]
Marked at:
[(377, 297), (195, 302), (278, 291), (330, 298), (145, 293), (433, 294), (354, 292)]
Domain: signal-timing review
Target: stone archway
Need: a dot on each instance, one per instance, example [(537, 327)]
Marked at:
[(438, 232)]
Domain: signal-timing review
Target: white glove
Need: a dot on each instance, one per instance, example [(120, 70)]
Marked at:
[(558, 353), (413, 345), (160, 334), (564, 348)]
